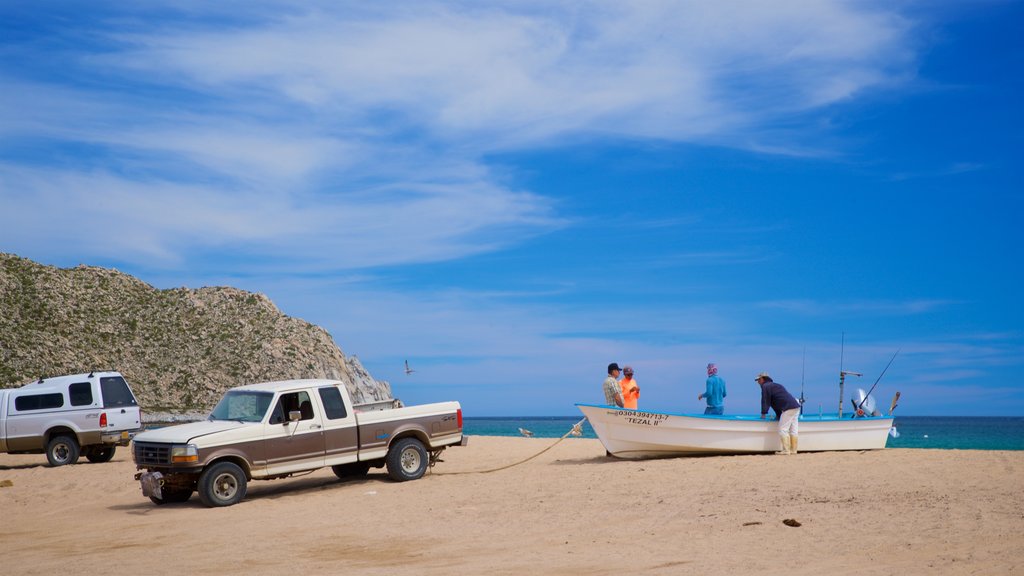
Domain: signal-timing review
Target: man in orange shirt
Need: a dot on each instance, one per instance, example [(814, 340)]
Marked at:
[(630, 389)]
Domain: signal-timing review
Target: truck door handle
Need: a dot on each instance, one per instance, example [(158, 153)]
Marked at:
[(315, 426)]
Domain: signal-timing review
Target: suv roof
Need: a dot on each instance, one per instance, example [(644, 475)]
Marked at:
[(55, 380)]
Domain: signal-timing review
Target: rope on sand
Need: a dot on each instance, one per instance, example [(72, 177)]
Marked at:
[(576, 430)]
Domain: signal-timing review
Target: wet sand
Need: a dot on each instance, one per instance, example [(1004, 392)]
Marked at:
[(569, 511)]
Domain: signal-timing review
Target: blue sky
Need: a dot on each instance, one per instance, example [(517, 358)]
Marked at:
[(511, 195)]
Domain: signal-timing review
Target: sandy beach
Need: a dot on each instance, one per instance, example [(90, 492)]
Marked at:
[(569, 511)]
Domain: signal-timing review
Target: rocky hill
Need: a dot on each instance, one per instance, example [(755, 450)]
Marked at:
[(178, 348)]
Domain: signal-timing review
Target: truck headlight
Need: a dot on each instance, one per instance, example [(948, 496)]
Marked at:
[(183, 454)]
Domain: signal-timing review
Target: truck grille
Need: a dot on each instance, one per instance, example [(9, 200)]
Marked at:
[(148, 454)]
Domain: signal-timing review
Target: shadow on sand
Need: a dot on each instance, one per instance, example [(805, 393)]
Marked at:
[(258, 490)]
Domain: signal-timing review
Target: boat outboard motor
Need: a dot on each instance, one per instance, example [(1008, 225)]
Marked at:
[(866, 403)]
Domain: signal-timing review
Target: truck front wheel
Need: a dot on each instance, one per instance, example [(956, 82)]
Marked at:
[(222, 484), (172, 495), (62, 450), (407, 460)]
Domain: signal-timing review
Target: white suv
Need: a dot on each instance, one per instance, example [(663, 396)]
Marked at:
[(67, 416)]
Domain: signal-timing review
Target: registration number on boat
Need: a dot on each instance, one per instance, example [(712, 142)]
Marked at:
[(641, 418)]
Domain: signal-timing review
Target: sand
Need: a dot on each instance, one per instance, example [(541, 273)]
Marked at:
[(569, 511)]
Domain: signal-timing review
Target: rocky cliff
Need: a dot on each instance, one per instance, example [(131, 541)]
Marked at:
[(178, 348)]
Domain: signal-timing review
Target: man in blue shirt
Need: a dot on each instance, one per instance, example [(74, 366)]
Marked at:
[(714, 391), (786, 408)]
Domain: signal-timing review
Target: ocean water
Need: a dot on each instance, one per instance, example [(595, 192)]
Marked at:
[(940, 432)]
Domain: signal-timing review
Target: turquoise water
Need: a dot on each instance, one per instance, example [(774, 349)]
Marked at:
[(941, 432), (963, 433)]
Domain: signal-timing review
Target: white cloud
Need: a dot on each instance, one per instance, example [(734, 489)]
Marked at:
[(515, 73), (506, 354), (158, 223), (875, 307), (346, 132)]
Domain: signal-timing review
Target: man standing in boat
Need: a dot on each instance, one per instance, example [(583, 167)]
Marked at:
[(612, 391), (786, 408), (714, 392), (629, 388)]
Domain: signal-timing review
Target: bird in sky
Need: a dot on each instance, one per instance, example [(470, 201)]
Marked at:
[(407, 369), (526, 432)]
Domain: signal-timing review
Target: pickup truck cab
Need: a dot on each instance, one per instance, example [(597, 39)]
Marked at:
[(277, 429), (69, 416)]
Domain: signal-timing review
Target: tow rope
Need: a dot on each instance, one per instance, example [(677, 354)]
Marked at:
[(576, 430)]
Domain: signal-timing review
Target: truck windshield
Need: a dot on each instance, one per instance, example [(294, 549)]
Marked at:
[(244, 406)]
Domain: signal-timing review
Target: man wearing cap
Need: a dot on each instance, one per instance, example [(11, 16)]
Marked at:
[(612, 391), (714, 392), (629, 388), (786, 407)]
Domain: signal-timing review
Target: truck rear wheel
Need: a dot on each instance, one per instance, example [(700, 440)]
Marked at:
[(222, 484), (100, 454), (407, 460), (61, 450)]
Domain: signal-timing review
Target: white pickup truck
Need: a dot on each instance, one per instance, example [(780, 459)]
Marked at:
[(69, 416), (277, 429)]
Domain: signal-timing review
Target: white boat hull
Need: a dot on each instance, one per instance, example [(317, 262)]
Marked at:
[(637, 434)]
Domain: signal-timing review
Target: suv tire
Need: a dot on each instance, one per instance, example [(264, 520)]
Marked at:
[(61, 450), (407, 460), (222, 484)]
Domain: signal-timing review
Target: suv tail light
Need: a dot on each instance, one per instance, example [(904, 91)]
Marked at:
[(460, 418), (103, 420)]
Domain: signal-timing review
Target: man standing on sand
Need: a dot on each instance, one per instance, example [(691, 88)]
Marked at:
[(786, 407), (630, 389), (612, 391), (714, 391)]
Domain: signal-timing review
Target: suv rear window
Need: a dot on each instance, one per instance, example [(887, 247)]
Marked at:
[(116, 392)]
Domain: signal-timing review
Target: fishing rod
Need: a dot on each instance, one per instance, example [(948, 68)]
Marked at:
[(842, 351), (865, 399)]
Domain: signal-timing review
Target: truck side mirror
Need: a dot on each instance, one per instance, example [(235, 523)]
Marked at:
[(294, 416)]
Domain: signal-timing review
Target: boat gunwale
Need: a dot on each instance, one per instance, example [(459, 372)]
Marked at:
[(741, 417)]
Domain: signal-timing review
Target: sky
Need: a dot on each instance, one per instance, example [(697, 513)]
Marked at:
[(511, 195)]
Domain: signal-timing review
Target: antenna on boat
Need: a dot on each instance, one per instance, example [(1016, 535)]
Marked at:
[(876, 381), (803, 366), (843, 373)]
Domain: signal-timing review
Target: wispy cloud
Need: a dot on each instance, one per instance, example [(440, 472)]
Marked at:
[(951, 170), (166, 220), (504, 352), (347, 132), (875, 307)]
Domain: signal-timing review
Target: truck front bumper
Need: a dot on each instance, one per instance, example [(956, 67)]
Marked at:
[(152, 484)]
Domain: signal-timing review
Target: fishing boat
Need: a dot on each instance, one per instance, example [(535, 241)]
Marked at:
[(634, 434)]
